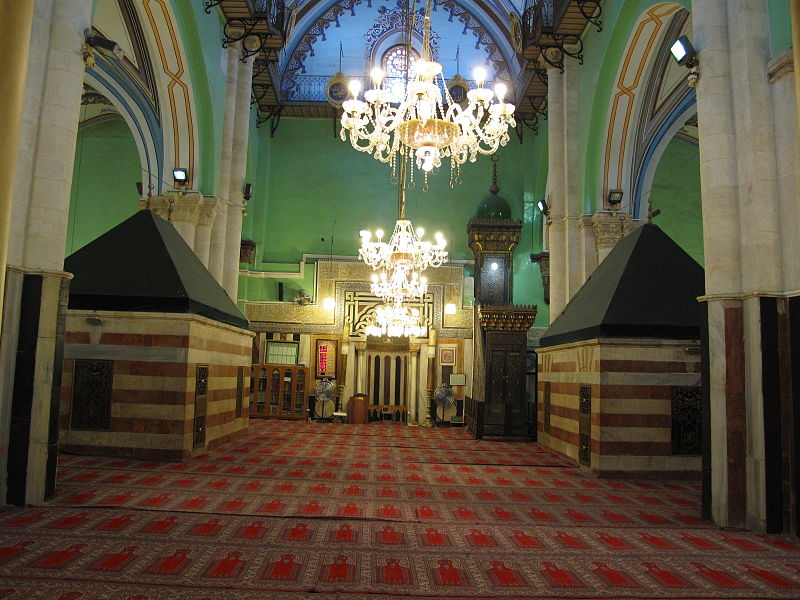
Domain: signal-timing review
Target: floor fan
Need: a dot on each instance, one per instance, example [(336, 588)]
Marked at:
[(444, 397), (324, 403)]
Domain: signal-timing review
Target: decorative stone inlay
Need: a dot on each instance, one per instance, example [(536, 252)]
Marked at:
[(177, 206), (609, 228), (507, 318), (493, 235)]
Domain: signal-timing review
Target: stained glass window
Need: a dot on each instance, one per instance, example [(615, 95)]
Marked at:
[(394, 63)]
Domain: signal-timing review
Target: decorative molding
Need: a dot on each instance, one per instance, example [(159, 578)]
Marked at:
[(780, 66), (543, 260), (507, 318), (493, 235)]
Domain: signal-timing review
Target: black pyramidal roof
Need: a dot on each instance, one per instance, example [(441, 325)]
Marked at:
[(646, 287), (143, 264)]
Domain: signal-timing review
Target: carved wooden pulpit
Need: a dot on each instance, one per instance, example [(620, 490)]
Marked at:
[(501, 328)]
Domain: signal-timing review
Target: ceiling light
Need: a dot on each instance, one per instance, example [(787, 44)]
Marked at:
[(329, 304), (449, 308), (427, 125)]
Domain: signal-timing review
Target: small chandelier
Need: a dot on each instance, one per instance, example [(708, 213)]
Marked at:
[(428, 124), (403, 257), (404, 250), (399, 285), (396, 320)]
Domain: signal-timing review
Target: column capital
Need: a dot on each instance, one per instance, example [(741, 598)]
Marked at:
[(609, 228)]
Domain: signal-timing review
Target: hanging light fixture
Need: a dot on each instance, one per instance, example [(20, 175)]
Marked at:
[(427, 125), (396, 320), (402, 259)]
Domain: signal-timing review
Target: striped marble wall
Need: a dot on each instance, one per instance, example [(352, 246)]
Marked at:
[(622, 407), (130, 385)]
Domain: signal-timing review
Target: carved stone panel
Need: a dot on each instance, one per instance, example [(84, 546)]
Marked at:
[(93, 383), (687, 420)]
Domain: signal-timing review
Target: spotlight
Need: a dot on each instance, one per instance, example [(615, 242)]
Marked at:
[(139, 188), (542, 204), (683, 52), (329, 304), (181, 176), (449, 308), (247, 193), (655, 213), (614, 197), (98, 42)]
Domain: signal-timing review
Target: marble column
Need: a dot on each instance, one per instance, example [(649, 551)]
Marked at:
[(361, 367), (46, 231), (742, 236), (413, 394), (555, 192), (241, 136), (32, 331), (573, 176), (15, 34), (218, 232)]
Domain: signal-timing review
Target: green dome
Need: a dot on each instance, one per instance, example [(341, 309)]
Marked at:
[(494, 207)]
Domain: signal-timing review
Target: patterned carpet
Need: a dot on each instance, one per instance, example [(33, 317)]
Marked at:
[(300, 510)]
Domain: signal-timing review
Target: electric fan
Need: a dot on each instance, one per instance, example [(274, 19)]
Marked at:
[(324, 404), (445, 397)]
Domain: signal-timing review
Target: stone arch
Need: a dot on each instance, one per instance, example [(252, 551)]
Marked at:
[(649, 98)]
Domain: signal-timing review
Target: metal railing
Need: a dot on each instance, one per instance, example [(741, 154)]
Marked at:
[(541, 17), (311, 88)]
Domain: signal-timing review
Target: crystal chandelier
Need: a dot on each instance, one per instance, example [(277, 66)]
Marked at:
[(403, 257), (396, 320), (399, 285), (427, 125)]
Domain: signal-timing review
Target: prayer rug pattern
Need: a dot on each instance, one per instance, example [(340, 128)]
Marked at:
[(296, 510)]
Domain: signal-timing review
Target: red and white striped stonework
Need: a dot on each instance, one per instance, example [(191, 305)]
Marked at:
[(155, 360), (631, 384)]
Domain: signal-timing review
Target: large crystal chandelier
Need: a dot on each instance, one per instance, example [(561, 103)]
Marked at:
[(427, 125), (396, 320)]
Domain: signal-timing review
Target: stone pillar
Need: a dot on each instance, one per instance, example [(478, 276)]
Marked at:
[(15, 34), (741, 225), (205, 221), (218, 232), (573, 176), (414, 349), (241, 136), (32, 331), (46, 231), (361, 367), (555, 192)]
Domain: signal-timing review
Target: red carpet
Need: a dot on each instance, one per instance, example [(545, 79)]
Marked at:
[(300, 510)]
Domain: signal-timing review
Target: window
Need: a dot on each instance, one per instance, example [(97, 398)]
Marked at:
[(282, 353), (394, 64)]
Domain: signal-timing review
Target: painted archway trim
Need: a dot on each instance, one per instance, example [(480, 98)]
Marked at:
[(626, 99), (175, 82), (134, 106)]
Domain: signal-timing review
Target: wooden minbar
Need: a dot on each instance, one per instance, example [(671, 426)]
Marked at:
[(500, 335)]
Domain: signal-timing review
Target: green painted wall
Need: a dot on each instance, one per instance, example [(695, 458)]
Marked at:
[(103, 182), (780, 25), (310, 186), (676, 192)]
